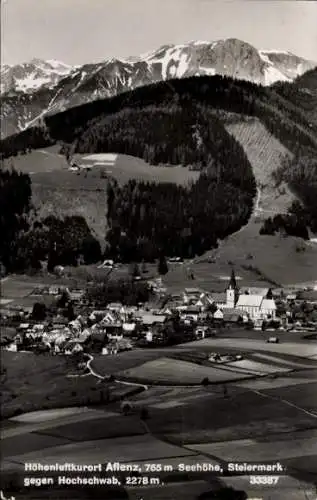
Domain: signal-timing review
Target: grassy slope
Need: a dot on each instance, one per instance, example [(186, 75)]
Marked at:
[(265, 154), (38, 382), (258, 260)]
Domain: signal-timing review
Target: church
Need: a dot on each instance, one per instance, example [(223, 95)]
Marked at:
[(256, 303)]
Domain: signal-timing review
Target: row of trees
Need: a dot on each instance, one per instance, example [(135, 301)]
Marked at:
[(125, 291), (289, 224)]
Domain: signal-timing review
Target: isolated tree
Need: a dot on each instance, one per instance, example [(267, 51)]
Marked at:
[(39, 311), (162, 265), (126, 408), (144, 414), (63, 300), (69, 312), (134, 270)]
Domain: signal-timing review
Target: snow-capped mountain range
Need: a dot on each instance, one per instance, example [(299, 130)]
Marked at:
[(32, 90), (33, 75)]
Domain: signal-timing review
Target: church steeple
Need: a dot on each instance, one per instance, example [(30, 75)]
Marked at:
[(232, 283), (232, 292)]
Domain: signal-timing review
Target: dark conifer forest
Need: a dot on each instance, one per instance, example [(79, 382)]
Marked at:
[(281, 116), (15, 204)]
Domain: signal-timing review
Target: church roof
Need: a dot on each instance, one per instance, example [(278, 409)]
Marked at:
[(246, 300), (268, 304)]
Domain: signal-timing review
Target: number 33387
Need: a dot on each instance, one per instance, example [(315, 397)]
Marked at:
[(264, 480)]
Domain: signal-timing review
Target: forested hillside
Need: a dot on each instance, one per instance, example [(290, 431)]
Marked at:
[(175, 123), (302, 93), (287, 122)]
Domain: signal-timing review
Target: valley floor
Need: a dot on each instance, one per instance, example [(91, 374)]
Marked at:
[(261, 420)]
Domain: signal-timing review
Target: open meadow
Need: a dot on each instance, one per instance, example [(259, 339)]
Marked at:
[(178, 372), (31, 382), (258, 261), (125, 167)]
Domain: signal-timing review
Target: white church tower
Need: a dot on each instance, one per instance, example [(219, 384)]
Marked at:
[(232, 292)]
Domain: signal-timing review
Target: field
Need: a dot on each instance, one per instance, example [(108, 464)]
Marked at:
[(187, 425), (125, 167), (216, 418), (178, 372), (32, 382), (258, 261), (17, 290)]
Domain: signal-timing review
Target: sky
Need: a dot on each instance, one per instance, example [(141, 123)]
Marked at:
[(82, 31)]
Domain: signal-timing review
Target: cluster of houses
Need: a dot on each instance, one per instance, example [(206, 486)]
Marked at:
[(189, 315)]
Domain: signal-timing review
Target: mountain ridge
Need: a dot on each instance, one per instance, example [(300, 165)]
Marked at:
[(89, 82)]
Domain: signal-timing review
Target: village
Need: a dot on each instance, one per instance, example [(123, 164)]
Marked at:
[(74, 324)]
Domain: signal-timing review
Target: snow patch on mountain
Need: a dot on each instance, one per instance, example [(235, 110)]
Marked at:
[(265, 58), (273, 51), (29, 77), (31, 82), (208, 71), (58, 64), (273, 75)]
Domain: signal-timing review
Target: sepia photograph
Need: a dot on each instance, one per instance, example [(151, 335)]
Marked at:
[(158, 250)]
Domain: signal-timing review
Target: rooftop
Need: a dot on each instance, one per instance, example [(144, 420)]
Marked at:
[(249, 300)]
